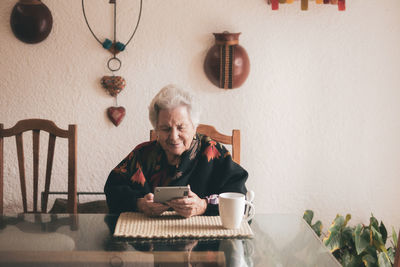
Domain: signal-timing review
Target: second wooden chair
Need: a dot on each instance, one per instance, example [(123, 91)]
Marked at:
[(37, 125)]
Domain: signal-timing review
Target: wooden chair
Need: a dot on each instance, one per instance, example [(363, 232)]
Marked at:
[(233, 140), (37, 125)]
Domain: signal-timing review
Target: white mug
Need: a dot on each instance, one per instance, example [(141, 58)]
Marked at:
[(231, 209)]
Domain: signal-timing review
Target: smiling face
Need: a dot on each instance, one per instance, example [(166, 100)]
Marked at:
[(175, 132)]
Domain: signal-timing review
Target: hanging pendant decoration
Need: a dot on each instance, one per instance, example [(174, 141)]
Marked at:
[(114, 84), (116, 114), (227, 64), (31, 21), (304, 3)]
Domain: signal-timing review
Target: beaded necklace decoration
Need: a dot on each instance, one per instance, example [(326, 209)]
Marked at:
[(114, 84)]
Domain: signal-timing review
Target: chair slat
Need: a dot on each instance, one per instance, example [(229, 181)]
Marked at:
[(49, 167), (236, 146), (214, 134), (72, 173), (36, 145), (35, 124), (1, 169), (21, 166)]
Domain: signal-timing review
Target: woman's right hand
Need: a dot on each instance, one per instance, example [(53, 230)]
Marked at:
[(149, 207)]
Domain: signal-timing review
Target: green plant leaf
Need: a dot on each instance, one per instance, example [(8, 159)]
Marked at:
[(371, 250), (348, 217), (383, 260), (351, 260), (317, 227), (391, 253), (373, 222), (347, 238), (383, 257), (369, 261), (332, 240), (394, 237), (345, 259), (383, 231), (377, 240), (361, 239), (308, 216)]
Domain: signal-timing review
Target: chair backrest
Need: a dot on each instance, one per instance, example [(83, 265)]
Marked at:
[(37, 125), (397, 254), (233, 140)]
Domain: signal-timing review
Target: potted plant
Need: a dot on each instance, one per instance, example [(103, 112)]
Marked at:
[(360, 245)]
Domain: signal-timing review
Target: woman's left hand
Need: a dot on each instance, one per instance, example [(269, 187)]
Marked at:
[(189, 206)]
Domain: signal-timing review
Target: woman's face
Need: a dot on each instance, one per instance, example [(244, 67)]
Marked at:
[(175, 131)]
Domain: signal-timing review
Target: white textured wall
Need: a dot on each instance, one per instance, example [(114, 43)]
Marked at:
[(319, 113)]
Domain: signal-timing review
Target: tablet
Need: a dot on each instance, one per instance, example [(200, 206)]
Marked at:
[(166, 193)]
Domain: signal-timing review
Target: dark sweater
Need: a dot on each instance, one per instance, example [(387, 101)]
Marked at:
[(206, 166)]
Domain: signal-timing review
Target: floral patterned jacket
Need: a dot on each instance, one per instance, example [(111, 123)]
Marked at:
[(206, 166)]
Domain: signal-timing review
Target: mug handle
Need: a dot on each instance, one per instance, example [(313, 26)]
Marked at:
[(250, 211)]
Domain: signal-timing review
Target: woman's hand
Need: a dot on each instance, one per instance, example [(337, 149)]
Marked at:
[(190, 206), (149, 207)]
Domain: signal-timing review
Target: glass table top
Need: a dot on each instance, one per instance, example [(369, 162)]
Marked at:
[(71, 240)]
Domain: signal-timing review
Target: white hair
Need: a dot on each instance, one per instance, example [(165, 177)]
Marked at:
[(172, 96)]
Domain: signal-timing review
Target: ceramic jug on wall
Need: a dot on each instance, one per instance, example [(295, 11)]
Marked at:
[(227, 64), (31, 21)]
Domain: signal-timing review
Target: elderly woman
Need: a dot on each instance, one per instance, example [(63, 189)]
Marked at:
[(179, 157)]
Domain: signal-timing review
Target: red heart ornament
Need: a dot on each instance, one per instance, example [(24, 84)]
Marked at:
[(116, 114)]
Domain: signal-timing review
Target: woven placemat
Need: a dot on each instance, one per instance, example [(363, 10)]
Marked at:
[(170, 225)]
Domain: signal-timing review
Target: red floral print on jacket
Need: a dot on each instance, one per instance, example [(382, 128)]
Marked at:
[(138, 177), (121, 168), (211, 152)]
